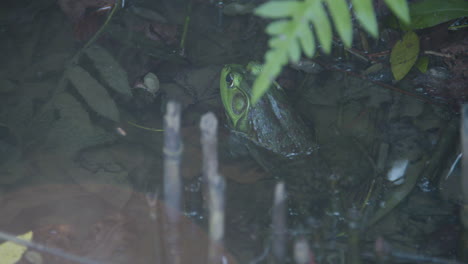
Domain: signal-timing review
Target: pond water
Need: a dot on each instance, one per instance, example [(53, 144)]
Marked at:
[(80, 155)]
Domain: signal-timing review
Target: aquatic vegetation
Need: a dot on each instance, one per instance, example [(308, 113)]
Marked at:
[(291, 34)]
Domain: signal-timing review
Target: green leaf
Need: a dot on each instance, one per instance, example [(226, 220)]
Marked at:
[(278, 9), (275, 60), (364, 12), (400, 9), (274, 56), (294, 51), (429, 13), (342, 20), (277, 27), (322, 25), (404, 55), (276, 42), (422, 64), (307, 41)]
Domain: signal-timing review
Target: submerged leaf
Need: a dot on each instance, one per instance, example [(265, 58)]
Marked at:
[(73, 130), (342, 20), (10, 252), (404, 55), (364, 12), (109, 70), (93, 93), (429, 13)]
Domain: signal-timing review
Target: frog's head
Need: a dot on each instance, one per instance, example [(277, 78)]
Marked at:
[(235, 88)]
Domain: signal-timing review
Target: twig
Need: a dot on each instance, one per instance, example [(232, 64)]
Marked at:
[(172, 182), (354, 256), (435, 53), (96, 35), (208, 127), (379, 54), (279, 224), (216, 186), (302, 253), (185, 31), (145, 128), (358, 55)]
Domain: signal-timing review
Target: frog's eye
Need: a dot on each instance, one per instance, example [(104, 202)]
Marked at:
[(230, 80)]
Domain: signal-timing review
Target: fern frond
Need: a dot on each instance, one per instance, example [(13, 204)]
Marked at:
[(400, 9), (342, 20), (364, 13), (293, 35), (322, 25)]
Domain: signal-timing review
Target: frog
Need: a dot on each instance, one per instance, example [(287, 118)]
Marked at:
[(271, 123), (272, 132)]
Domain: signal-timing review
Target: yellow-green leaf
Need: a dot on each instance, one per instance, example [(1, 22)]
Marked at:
[(404, 55), (342, 20), (11, 252), (278, 9), (400, 9), (322, 25), (364, 12), (277, 27), (422, 64), (307, 40)]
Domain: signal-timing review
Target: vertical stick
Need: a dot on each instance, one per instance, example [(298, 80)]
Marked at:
[(209, 140), (354, 256), (464, 184), (279, 224), (172, 182), (216, 186), (302, 253), (185, 30)]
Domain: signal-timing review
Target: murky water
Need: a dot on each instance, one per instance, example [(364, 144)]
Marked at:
[(69, 174)]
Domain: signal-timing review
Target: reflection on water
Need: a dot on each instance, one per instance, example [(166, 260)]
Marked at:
[(83, 223)]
